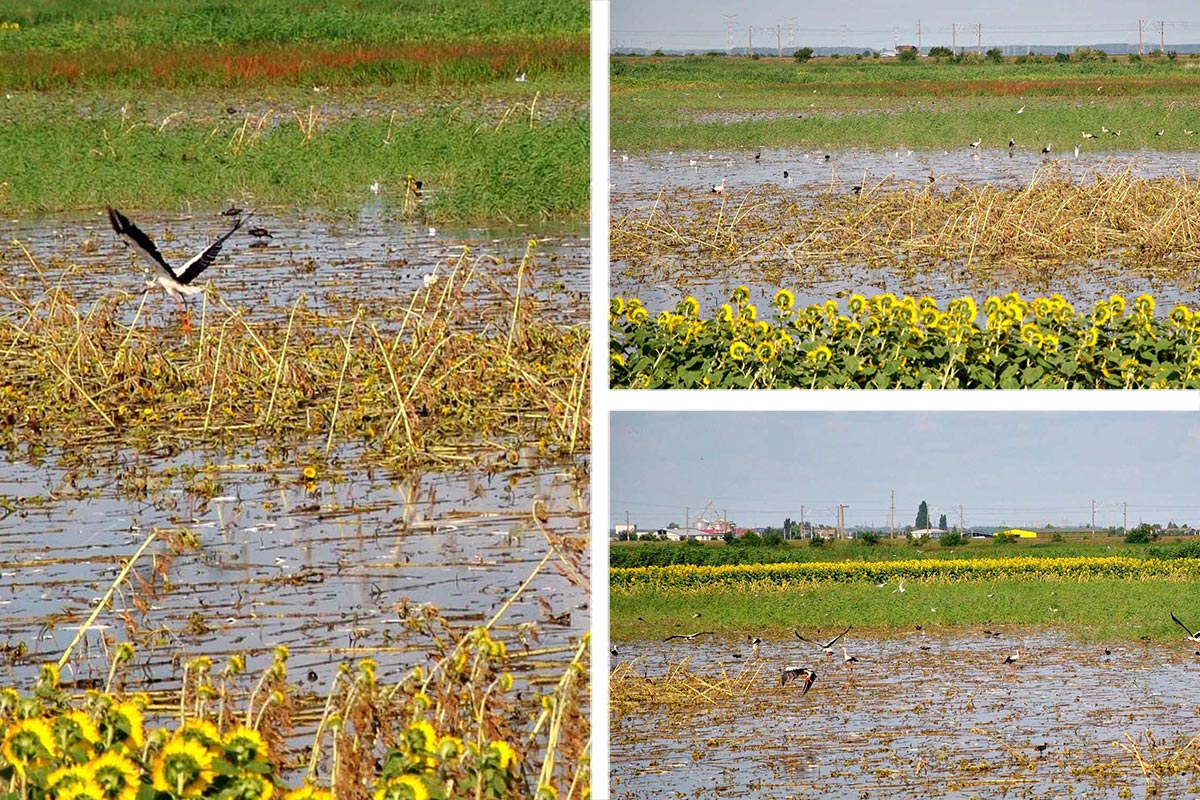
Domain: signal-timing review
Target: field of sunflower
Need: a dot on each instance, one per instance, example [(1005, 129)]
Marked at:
[(890, 342)]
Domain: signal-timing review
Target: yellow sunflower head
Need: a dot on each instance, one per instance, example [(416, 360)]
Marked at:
[(765, 352), (243, 745), (738, 350), (421, 736), (819, 355), (740, 295), (117, 775), (309, 792), (689, 307), (183, 767), (1181, 316), (502, 753), (124, 723), (27, 743), (784, 300), (403, 787)]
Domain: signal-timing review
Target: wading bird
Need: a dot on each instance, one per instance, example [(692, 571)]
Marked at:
[(1192, 636), (1087, 135), (1046, 150), (807, 674), (688, 636), (521, 77), (176, 284), (260, 233), (232, 211), (719, 187), (1160, 132), (899, 588), (976, 143), (755, 645), (848, 659), (1014, 657), (1012, 143), (826, 646)]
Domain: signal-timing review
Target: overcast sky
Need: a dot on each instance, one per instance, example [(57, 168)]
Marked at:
[(1021, 469), (878, 24)]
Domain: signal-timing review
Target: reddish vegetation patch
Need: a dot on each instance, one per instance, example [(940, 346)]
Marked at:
[(288, 63)]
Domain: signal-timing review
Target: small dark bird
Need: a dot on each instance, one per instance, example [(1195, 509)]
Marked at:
[(758, 155), (1012, 143), (856, 189), (807, 674), (260, 233), (1160, 133), (827, 156), (613, 651), (1192, 636), (785, 174), (688, 636), (232, 211), (1041, 748), (1045, 149)]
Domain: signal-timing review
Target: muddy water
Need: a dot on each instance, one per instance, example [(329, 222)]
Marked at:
[(337, 264), (331, 572), (919, 716), (639, 178)]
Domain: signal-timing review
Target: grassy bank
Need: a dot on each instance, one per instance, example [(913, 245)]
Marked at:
[(717, 103), (473, 168), (1097, 609)]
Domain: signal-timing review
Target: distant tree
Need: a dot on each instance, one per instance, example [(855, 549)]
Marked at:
[(816, 541), (729, 537), (1141, 534), (803, 54), (941, 52), (648, 537), (995, 55), (868, 537), (922, 516), (950, 539), (867, 53), (1134, 58), (907, 55), (659, 53), (1061, 57), (773, 540), (1156, 53), (942, 522), (690, 542), (751, 539), (672, 526)]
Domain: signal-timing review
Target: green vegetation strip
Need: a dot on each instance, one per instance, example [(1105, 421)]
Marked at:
[(513, 167), (1095, 609), (686, 576), (889, 342), (717, 103)]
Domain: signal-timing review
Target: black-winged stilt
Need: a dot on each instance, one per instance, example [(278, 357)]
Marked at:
[(688, 636), (1012, 143), (1192, 636), (825, 646), (176, 284), (1087, 135), (807, 674)]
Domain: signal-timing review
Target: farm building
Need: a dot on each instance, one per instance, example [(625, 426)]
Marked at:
[(1020, 533)]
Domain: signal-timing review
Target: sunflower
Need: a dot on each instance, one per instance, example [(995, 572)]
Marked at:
[(183, 768), (117, 776), (857, 304), (405, 787), (28, 741), (503, 753), (637, 315), (202, 731), (616, 306), (421, 736), (124, 724), (688, 307), (784, 300), (765, 352), (250, 786), (748, 313), (738, 350), (309, 792), (819, 355), (243, 745), (1181, 316), (740, 295), (74, 728), (1144, 305)]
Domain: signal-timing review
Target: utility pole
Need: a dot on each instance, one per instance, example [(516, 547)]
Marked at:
[(961, 527), (892, 516), (1141, 50), (1093, 519), (729, 18), (802, 529), (979, 38), (687, 523), (779, 40), (918, 37), (954, 38), (842, 520), (1162, 47), (752, 41), (1125, 518)]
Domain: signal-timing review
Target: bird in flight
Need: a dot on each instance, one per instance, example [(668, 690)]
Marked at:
[(826, 646), (1192, 636), (176, 283), (806, 674), (688, 636)]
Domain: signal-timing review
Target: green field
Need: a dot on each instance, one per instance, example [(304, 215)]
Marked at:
[(194, 103), (706, 102)]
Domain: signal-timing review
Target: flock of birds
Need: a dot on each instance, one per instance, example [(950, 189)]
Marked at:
[(806, 676)]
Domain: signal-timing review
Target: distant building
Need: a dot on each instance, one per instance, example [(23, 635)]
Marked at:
[(629, 530), (1020, 533), (905, 48)]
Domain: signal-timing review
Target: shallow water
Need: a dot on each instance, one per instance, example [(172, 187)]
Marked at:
[(639, 179), (337, 264), (918, 716), (329, 572)]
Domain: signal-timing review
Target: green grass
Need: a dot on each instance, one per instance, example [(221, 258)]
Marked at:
[(641, 554), (473, 168), (1095, 609), (81, 25), (659, 104)]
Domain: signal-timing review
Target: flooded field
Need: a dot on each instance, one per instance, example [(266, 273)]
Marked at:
[(675, 188), (337, 264), (917, 716)]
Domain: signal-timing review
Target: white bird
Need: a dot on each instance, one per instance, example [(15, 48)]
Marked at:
[(1077, 151), (1160, 132), (1045, 149), (1021, 110), (1012, 658), (374, 187), (755, 645), (1087, 135), (521, 77), (719, 187), (976, 143), (176, 284), (1012, 143), (688, 636), (1192, 636), (900, 588), (848, 659), (826, 646)]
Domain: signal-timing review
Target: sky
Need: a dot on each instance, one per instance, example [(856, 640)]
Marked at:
[(880, 24), (1018, 469)]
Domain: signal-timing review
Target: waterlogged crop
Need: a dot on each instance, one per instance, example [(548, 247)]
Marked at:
[(890, 342), (687, 576)]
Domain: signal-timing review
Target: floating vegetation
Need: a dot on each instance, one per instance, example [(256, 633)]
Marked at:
[(432, 380), (907, 342), (679, 687), (1111, 224)]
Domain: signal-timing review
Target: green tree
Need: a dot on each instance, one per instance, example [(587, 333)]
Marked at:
[(995, 55), (907, 55), (950, 539), (941, 52), (942, 523), (803, 54), (922, 516)]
